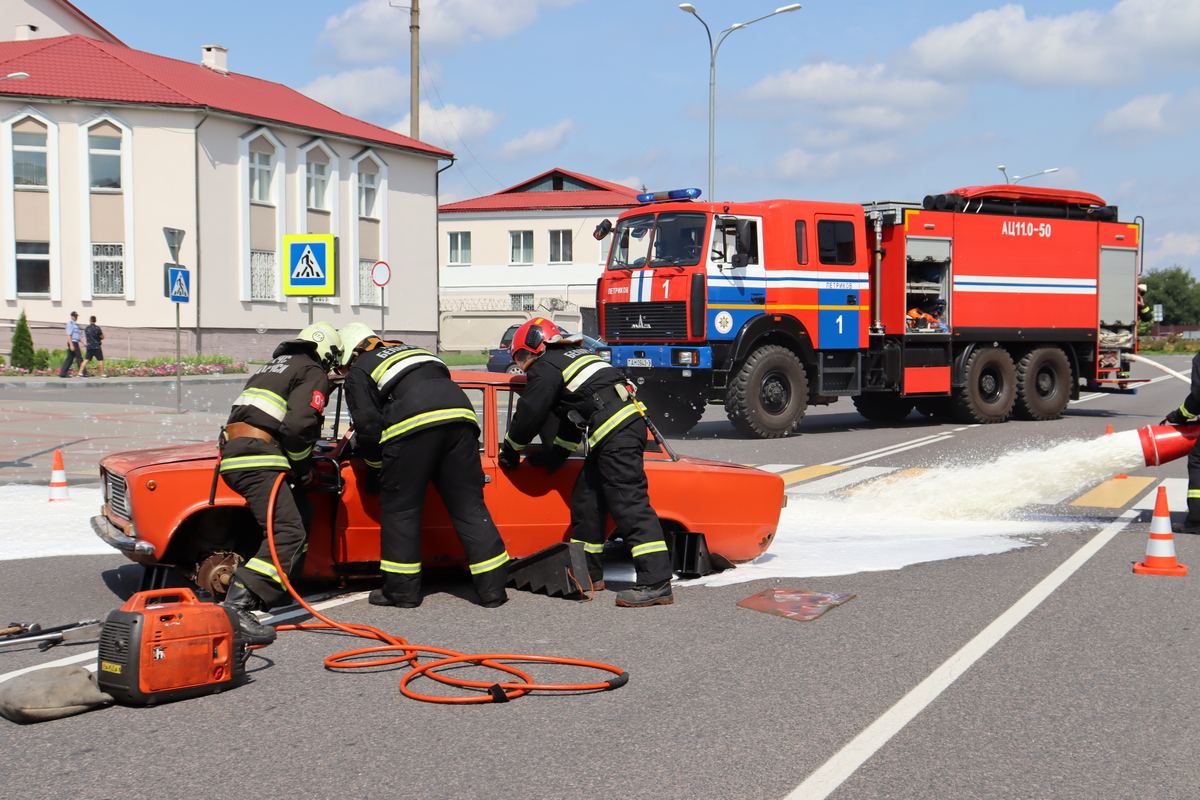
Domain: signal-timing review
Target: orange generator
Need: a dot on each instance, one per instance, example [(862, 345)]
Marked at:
[(166, 645)]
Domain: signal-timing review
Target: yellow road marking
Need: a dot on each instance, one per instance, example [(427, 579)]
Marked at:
[(887, 480), (797, 475), (1114, 493)]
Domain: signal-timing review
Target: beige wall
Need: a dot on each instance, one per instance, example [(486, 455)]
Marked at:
[(51, 19)]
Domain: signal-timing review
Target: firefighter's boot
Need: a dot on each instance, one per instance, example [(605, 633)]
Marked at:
[(242, 601), (490, 587), (402, 591), (658, 594)]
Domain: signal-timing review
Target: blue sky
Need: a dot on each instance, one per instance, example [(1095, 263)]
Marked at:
[(844, 100)]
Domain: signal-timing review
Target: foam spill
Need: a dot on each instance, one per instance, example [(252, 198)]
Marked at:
[(951, 511)]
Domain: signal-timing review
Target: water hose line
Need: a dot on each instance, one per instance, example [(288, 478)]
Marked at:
[(1156, 365), (494, 692)]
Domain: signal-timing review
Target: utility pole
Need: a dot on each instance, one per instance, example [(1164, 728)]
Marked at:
[(414, 29)]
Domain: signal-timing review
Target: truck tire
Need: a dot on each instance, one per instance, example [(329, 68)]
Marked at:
[(881, 407), (673, 412), (767, 397), (1043, 384), (991, 387)]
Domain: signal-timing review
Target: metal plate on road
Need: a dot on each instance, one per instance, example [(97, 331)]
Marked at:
[(638, 362), (795, 604)]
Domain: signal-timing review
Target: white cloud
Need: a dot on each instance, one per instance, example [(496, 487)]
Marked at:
[(451, 126), (1087, 47), (538, 142), (1173, 245), (801, 164), (373, 31), (1140, 115), (361, 92)]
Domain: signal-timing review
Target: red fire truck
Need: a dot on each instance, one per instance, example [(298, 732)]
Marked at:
[(981, 303)]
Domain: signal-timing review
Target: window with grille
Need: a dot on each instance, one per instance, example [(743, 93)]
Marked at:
[(108, 270), (460, 247), (368, 293), (520, 302), (262, 275), (560, 247), (521, 243)]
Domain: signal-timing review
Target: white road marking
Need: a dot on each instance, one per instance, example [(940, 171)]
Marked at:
[(883, 452), (830, 775), (1083, 398), (838, 480), (91, 655), (1176, 495), (778, 468)]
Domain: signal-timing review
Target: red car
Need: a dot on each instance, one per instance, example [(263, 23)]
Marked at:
[(157, 507)]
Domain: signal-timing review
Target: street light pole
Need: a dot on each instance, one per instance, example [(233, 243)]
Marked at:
[(713, 47), (1019, 178), (15, 76), (414, 89)]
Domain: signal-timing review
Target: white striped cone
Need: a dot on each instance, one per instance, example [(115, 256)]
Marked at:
[(1160, 549), (58, 479)]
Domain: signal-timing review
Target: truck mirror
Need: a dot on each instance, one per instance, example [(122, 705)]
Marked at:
[(740, 260), (747, 240), (602, 230)]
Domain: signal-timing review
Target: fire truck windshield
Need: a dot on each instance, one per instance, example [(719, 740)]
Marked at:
[(668, 239)]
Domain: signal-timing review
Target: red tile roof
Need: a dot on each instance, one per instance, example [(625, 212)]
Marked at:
[(86, 69), (604, 194)]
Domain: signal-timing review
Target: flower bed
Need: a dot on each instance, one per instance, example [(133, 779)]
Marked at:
[(137, 371)]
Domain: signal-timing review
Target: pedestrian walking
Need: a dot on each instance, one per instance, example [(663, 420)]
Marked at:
[(415, 426), (92, 337), (573, 383), (73, 353)]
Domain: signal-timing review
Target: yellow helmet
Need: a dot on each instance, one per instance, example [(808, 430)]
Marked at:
[(329, 344), (351, 336)]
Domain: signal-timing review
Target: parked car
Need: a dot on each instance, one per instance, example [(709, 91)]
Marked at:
[(500, 360), (158, 511)]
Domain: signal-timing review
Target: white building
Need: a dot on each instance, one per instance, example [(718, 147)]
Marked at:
[(527, 250), (103, 146)]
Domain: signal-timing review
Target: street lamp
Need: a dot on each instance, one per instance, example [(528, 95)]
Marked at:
[(1019, 178), (18, 76), (712, 74)]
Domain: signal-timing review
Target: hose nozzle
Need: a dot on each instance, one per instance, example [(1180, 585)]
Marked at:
[(1163, 443)]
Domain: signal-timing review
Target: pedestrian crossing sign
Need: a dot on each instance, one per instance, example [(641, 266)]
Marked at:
[(310, 265), (179, 280)]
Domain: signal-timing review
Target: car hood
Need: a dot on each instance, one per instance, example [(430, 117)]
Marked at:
[(122, 463)]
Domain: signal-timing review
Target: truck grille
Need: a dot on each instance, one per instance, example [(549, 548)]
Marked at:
[(118, 496), (640, 322)]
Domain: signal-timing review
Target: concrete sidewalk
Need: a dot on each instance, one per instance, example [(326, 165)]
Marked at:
[(44, 382)]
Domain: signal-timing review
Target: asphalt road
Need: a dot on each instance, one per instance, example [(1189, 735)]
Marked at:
[(1089, 693)]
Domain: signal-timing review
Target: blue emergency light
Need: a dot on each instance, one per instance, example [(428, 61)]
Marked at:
[(674, 194)]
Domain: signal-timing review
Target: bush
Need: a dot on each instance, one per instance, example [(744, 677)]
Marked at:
[(41, 359), (22, 345)]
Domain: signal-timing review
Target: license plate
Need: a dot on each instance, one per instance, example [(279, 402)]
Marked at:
[(639, 362)]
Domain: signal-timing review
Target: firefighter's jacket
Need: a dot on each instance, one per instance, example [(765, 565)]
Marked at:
[(396, 389), (570, 379), (286, 398), (1190, 408)]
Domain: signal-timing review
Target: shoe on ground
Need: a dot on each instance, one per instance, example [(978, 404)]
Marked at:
[(642, 596), (257, 634), (598, 586), (1185, 527), (378, 598), (495, 602)]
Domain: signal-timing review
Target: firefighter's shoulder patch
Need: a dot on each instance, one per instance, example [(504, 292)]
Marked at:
[(318, 401)]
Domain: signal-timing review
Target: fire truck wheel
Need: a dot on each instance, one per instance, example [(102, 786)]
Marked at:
[(768, 395), (991, 387), (1043, 384), (883, 407), (674, 414)]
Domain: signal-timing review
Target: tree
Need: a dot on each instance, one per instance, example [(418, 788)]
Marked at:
[(1177, 291), (22, 345)]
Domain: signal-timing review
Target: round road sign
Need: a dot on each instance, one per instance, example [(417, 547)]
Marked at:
[(381, 273)]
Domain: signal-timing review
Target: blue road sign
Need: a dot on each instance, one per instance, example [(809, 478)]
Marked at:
[(180, 280)]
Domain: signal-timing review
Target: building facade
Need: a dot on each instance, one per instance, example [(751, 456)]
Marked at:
[(527, 250), (103, 146)]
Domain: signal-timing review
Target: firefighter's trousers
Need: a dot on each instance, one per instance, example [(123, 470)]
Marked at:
[(1193, 495), (448, 457), (613, 481), (292, 512)]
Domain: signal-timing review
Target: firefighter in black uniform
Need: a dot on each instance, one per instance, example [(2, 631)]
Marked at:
[(1188, 413), (564, 377), (272, 428), (416, 426)]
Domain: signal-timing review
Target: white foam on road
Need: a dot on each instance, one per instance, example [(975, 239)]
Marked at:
[(951, 511), (33, 527)]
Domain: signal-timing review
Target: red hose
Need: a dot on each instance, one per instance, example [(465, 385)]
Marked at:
[(495, 692)]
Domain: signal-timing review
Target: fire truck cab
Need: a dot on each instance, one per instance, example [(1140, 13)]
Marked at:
[(981, 303)]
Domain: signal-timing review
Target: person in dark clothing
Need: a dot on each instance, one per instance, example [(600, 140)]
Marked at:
[(1145, 312), (415, 426), (73, 354), (1187, 414), (563, 378), (272, 428), (93, 336)]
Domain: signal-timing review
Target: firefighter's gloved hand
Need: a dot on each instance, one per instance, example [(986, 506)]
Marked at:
[(1176, 417), (509, 457), (304, 479), (551, 460)]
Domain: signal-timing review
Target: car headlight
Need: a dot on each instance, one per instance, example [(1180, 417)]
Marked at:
[(605, 355)]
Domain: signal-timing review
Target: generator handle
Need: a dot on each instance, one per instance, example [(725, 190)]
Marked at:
[(144, 599)]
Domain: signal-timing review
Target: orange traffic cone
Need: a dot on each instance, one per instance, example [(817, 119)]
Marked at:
[(1160, 550), (58, 479), (1109, 431)]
